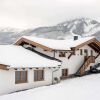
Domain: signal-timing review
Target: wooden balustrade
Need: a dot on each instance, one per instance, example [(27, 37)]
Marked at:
[(90, 59)]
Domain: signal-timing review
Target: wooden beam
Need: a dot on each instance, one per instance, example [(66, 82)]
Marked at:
[(94, 47), (33, 43), (92, 41), (3, 67), (97, 42), (71, 55), (82, 44), (97, 55)]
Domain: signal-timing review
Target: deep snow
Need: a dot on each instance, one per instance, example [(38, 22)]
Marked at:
[(19, 57), (63, 44), (81, 88)]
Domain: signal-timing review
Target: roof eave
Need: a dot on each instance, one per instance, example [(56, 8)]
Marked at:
[(94, 40)]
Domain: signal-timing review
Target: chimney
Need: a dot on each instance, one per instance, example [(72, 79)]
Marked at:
[(75, 37)]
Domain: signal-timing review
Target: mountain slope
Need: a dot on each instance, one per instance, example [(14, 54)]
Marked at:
[(10, 35), (81, 26)]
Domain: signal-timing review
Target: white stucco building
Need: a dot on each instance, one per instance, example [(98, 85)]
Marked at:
[(74, 53), (31, 62), (22, 69)]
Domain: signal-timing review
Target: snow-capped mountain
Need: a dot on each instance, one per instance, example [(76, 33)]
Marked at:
[(81, 27), (10, 35)]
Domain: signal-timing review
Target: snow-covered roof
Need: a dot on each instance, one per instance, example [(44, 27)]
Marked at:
[(17, 56), (58, 44)]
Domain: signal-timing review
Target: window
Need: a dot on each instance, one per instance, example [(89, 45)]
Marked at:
[(86, 52), (62, 54), (81, 52), (38, 75), (64, 72), (20, 77), (91, 52)]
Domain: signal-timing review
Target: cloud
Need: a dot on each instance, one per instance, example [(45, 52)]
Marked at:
[(34, 13)]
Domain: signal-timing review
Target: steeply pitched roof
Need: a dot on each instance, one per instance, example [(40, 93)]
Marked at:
[(50, 44), (19, 57)]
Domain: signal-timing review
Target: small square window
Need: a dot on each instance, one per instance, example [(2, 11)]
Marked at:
[(38, 75), (20, 77), (81, 52), (62, 54), (91, 52), (86, 52), (64, 72)]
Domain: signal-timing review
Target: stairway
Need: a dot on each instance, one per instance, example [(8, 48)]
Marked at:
[(87, 62)]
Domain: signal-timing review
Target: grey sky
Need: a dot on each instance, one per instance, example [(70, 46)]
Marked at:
[(34, 13)]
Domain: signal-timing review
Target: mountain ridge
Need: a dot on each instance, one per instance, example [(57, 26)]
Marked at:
[(80, 26)]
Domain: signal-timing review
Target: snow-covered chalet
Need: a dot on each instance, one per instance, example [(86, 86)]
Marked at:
[(31, 61)]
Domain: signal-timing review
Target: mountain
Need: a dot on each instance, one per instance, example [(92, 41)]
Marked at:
[(10, 35), (80, 26)]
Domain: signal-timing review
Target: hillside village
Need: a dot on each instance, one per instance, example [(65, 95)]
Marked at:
[(32, 62)]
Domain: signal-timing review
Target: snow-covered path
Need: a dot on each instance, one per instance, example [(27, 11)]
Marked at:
[(81, 88)]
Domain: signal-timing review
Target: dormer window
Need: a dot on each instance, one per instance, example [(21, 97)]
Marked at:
[(62, 54)]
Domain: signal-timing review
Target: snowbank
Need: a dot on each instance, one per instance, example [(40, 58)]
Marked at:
[(82, 88)]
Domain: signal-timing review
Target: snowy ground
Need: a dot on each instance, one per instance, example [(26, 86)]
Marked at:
[(81, 88)]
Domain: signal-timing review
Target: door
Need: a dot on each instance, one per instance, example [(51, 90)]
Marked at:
[(64, 72)]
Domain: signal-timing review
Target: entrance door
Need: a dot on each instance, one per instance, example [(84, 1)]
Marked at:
[(64, 73)]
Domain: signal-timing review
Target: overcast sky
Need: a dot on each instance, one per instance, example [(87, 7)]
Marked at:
[(34, 13)]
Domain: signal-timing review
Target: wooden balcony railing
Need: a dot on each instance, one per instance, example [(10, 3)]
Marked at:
[(90, 59)]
